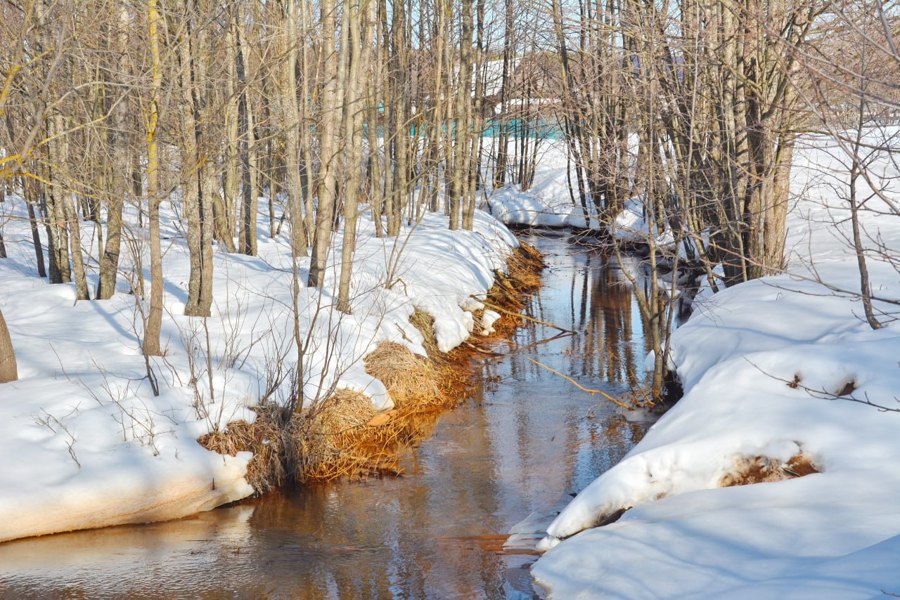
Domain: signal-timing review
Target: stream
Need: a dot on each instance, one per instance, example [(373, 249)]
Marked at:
[(505, 460)]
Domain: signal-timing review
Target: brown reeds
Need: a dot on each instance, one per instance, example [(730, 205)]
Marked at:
[(424, 323), (414, 382), (265, 438), (335, 440), (522, 277), (762, 469), (343, 436)]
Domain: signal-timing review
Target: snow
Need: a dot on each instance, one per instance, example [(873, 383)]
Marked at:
[(833, 534), (548, 202), (86, 442)]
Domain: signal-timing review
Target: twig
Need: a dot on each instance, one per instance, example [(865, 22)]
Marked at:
[(590, 391), (515, 348), (824, 394), (521, 316), (481, 350), (561, 334)]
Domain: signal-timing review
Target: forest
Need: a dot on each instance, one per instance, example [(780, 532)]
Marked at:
[(270, 224)]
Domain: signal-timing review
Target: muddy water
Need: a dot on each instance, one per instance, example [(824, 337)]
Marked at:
[(500, 462)]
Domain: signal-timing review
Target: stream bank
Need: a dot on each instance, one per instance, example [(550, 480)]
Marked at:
[(344, 436), (520, 444)]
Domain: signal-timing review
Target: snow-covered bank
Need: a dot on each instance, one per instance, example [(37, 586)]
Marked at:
[(87, 444), (550, 203), (772, 368)]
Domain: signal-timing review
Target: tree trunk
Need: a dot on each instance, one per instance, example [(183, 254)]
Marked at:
[(249, 161), (194, 192), (57, 234), (115, 201), (151, 345), (327, 146), (354, 106), (31, 192), (8, 369), (72, 224), (2, 200), (290, 110), (503, 140), (232, 180), (461, 149)]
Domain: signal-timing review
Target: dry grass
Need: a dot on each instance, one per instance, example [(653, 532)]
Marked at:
[(414, 382), (424, 322), (762, 469), (511, 289), (265, 438), (334, 439), (524, 267), (345, 437)]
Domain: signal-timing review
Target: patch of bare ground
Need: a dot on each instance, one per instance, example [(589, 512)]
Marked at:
[(344, 437), (760, 469)]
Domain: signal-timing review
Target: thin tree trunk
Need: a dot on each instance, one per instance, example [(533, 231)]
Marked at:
[(2, 200), (58, 235), (461, 150), (354, 106), (306, 172), (30, 191), (291, 111), (8, 369), (232, 178), (194, 189), (72, 223), (151, 345), (109, 253), (249, 160), (327, 146)]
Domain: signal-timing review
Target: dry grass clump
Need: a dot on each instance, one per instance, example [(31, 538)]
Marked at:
[(761, 469), (346, 437), (524, 267), (424, 322), (264, 438), (511, 289), (334, 440), (343, 436), (414, 382)]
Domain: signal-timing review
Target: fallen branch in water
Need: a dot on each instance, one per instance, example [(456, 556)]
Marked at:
[(482, 350), (590, 391), (521, 316), (560, 335)]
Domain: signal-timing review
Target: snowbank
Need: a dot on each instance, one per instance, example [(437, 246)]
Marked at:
[(85, 441), (548, 202), (773, 368)]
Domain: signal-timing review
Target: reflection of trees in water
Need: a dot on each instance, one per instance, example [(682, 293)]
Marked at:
[(590, 297), (602, 310)]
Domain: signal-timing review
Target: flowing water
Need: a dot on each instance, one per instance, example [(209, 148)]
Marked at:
[(503, 461)]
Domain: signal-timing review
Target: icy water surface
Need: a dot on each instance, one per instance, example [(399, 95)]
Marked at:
[(503, 461)]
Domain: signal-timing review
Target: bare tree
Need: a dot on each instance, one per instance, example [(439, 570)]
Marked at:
[(153, 325), (332, 97), (8, 370)]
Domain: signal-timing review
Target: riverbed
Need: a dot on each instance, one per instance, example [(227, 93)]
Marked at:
[(502, 462)]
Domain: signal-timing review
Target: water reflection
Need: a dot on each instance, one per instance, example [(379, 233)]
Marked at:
[(525, 440)]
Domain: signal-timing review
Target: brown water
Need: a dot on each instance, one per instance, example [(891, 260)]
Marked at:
[(512, 453)]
